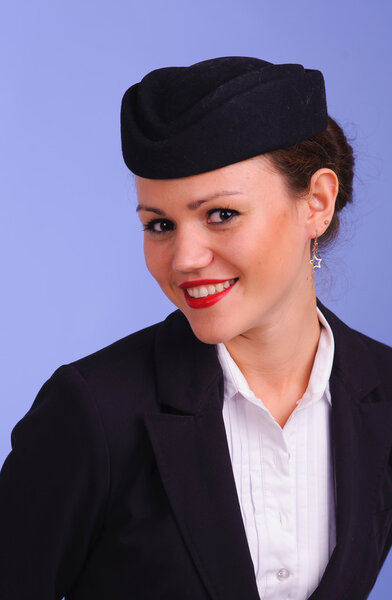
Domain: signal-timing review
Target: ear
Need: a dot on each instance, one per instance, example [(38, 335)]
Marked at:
[(321, 198)]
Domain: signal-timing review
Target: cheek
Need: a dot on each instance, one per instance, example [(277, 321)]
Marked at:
[(151, 259), (256, 247), (272, 249), (156, 261)]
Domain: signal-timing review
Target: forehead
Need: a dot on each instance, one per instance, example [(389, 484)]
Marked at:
[(239, 178)]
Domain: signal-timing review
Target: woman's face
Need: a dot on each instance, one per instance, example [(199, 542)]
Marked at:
[(235, 223)]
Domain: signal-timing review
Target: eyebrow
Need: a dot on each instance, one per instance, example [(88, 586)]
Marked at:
[(191, 205)]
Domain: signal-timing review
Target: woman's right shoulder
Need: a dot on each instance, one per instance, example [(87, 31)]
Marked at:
[(132, 350), (118, 371), (130, 356)]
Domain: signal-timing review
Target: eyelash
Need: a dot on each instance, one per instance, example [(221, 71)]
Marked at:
[(150, 224)]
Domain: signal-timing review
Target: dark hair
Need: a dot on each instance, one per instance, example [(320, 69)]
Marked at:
[(329, 149)]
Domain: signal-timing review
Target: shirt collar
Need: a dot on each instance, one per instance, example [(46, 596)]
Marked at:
[(235, 382)]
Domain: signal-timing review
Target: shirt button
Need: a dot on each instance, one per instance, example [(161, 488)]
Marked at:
[(282, 574)]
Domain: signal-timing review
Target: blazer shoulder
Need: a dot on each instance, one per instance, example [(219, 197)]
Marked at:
[(382, 357), (342, 329), (121, 377), (360, 357), (377, 354), (379, 349), (131, 352)]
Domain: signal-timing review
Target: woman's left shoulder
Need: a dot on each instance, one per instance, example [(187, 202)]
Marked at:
[(384, 351), (381, 355), (359, 349)]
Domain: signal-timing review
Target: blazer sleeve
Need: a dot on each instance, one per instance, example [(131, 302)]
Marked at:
[(53, 491)]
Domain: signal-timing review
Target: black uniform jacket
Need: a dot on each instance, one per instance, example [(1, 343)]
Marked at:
[(119, 485)]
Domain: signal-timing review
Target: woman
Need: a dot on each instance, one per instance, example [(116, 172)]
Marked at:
[(240, 449)]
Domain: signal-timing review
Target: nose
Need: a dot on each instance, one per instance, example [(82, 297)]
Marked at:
[(191, 250)]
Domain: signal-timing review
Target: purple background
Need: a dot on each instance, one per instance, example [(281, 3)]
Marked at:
[(72, 264)]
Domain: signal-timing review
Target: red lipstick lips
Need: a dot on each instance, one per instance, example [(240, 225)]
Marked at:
[(207, 300)]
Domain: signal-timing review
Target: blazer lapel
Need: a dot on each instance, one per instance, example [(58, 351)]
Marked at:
[(190, 446), (361, 442)]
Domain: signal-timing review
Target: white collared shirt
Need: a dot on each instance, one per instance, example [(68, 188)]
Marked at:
[(284, 477)]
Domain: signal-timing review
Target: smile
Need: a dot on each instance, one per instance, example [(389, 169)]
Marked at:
[(208, 290), (203, 296)]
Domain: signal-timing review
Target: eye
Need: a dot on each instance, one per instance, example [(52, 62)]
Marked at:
[(158, 226), (221, 215), (161, 226)]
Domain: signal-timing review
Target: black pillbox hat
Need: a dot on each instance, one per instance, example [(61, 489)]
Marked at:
[(181, 121)]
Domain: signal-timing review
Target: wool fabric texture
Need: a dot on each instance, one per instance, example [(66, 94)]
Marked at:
[(181, 121)]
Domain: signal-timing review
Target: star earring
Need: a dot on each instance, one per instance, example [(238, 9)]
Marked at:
[(315, 258)]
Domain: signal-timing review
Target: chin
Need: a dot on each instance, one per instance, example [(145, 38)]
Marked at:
[(208, 339), (211, 335)]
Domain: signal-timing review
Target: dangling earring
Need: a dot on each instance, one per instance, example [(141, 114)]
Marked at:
[(314, 255)]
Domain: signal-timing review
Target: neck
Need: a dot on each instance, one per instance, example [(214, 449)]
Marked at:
[(277, 357)]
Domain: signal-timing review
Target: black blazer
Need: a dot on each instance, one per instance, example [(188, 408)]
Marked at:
[(119, 485)]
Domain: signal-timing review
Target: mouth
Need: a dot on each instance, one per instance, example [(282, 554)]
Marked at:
[(208, 294)]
